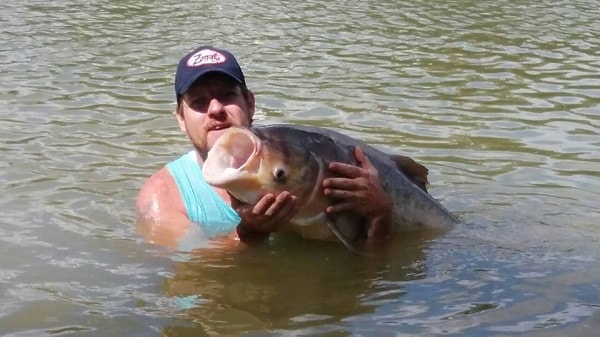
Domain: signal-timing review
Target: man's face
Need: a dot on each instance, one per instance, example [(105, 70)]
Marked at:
[(214, 103)]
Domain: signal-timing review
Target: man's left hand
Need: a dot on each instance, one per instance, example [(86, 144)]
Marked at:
[(359, 189)]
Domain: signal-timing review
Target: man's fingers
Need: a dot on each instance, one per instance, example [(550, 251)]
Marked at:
[(353, 171), (347, 170), (344, 206), (281, 200), (362, 159), (341, 194), (287, 211), (342, 183), (263, 204)]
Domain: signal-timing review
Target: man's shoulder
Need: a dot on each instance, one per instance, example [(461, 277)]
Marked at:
[(158, 193), (160, 214), (160, 181)]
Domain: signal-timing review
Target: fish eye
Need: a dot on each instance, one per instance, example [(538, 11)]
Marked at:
[(279, 174)]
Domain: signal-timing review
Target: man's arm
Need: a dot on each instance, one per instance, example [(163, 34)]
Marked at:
[(360, 190), (162, 217)]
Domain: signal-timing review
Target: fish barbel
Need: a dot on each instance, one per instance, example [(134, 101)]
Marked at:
[(251, 162)]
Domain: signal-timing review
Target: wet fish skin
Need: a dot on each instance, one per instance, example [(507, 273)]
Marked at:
[(294, 158)]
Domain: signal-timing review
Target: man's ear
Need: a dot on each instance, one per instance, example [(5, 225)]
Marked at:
[(180, 119), (251, 105)]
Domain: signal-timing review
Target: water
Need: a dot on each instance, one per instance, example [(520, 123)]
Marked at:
[(501, 101)]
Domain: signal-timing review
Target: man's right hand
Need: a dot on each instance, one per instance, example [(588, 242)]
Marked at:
[(264, 217)]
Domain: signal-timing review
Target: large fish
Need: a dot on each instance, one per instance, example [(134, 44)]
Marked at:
[(250, 162)]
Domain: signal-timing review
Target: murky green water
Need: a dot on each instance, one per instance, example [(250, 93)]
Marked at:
[(501, 100)]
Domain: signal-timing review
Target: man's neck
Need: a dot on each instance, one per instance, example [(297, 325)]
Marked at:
[(200, 158)]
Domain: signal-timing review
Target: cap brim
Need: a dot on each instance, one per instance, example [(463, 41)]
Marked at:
[(192, 79)]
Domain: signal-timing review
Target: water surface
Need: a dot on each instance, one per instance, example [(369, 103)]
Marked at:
[(501, 101)]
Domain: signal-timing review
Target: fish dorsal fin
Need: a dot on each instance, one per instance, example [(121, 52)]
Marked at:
[(416, 172)]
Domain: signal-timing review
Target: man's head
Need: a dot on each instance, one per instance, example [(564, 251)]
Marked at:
[(211, 95)]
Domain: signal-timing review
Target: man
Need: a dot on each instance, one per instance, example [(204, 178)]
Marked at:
[(212, 96)]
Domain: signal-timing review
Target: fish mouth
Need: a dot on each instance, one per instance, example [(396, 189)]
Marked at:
[(231, 158)]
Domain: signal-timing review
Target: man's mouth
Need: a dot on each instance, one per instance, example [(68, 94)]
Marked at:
[(219, 127)]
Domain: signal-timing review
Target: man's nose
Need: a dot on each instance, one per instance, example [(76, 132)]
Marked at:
[(215, 107)]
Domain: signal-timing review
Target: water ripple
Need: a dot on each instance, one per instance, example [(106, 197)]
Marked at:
[(500, 101)]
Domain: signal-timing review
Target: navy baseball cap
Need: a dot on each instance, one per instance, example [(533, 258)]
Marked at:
[(203, 60)]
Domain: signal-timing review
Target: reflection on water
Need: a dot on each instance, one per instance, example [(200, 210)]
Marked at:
[(291, 284), (500, 101)]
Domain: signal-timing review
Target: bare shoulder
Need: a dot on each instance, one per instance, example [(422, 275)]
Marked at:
[(159, 196), (161, 215)]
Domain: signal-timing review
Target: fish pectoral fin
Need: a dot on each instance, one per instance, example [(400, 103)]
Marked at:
[(345, 226), (416, 172)]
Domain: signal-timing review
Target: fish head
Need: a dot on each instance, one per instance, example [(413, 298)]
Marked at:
[(250, 164)]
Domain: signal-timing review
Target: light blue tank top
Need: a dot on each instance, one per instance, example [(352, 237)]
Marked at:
[(204, 206)]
